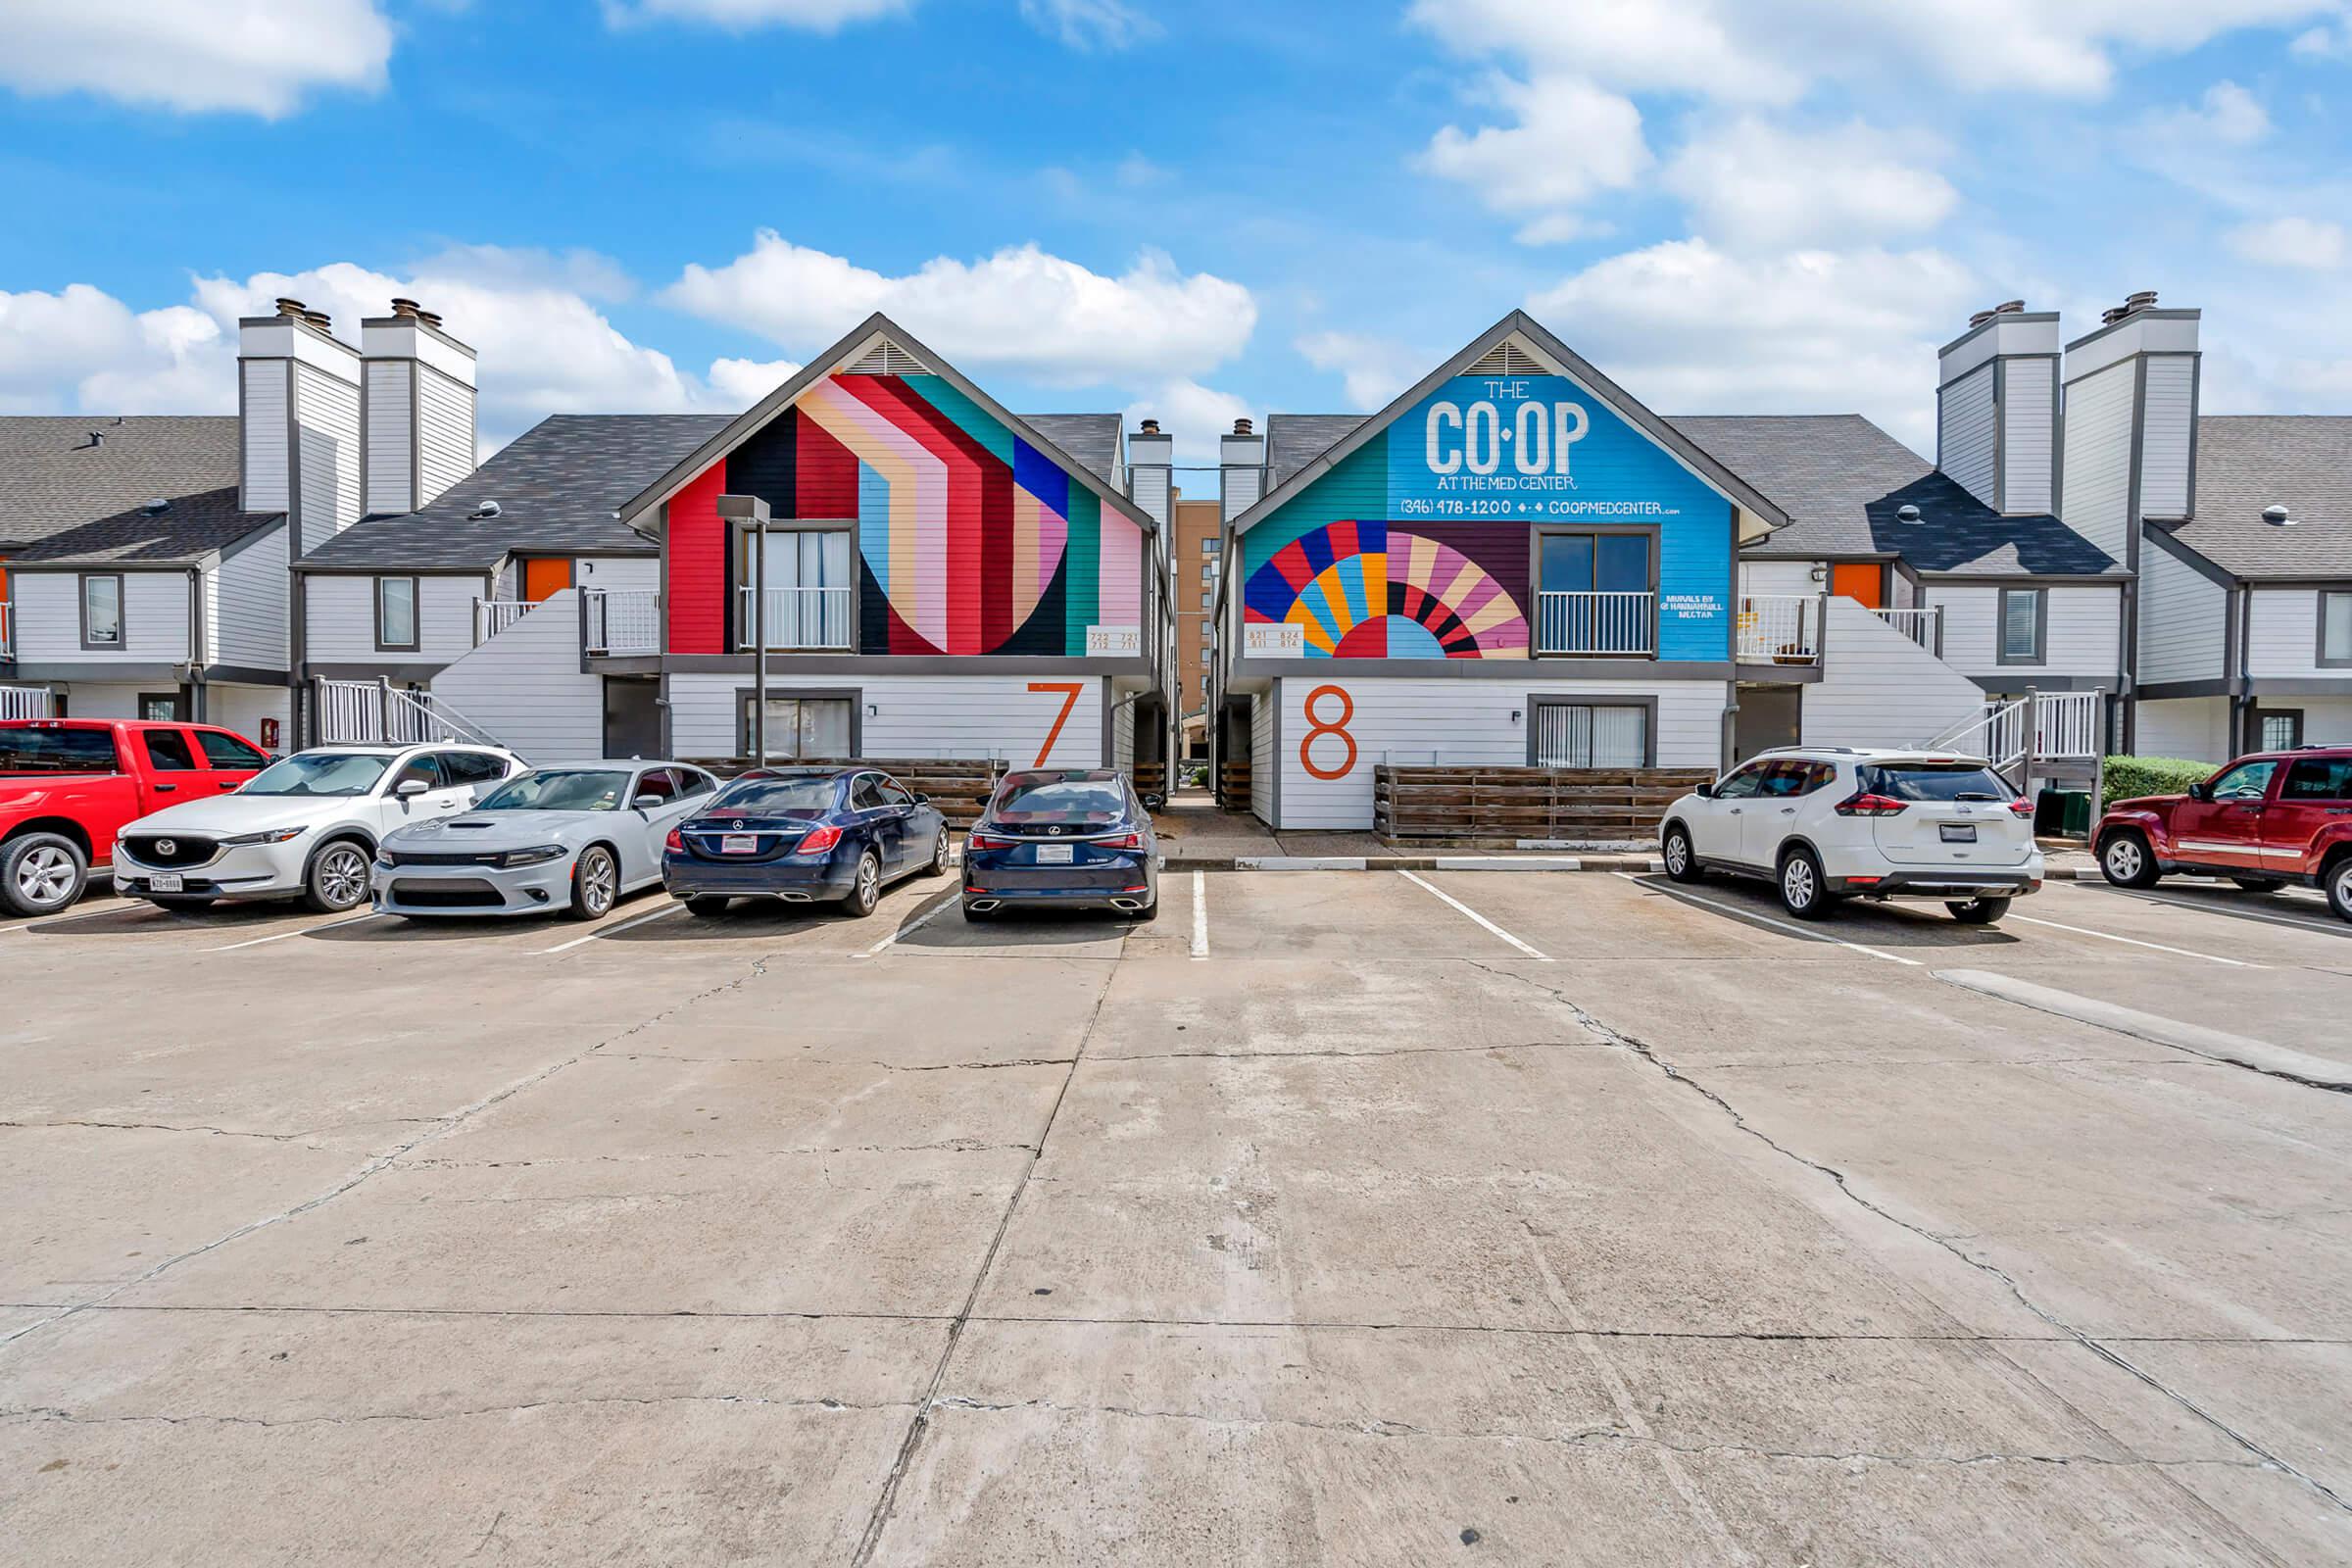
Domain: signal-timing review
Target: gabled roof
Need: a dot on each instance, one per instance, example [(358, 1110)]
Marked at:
[(864, 338), (1528, 330), (1295, 440), (1092, 438), (2248, 462), (65, 497), (1841, 480)]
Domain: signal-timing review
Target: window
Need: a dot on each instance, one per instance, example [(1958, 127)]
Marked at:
[(2248, 781), (2025, 624), (1209, 547), (561, 789), (1788, 778), (168, 751), (2280, 729), (895, 793), (1082, 800), (1209, 571), (320, 773), (1934, 781), (803, 728), (56, 751), (472, 768), (1593, 593), (224, 750), (777, 797), (426, 769), (1743, 783), (659, 782), (1208, 599), (866, 794), (159, 708), (2335, 628), (396, 614), (694, 781), (810, 579), (1590, 735), (102, 611), (2318, 779)]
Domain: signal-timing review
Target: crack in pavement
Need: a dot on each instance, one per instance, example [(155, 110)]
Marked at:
[(1648, 1053), (27, 1414), (945, 1146)]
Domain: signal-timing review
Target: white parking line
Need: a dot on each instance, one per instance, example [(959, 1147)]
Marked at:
[(303, 931), (947, 901), (1539, 957), (1199, 916), (1765, 919), (2109, 936), (607, 930), (2329, 927)]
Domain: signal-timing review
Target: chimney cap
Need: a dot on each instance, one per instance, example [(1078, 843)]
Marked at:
[(1148, 428), (1242, 427), (406, 307), (1979, 319), (2141, 300), (292, 308), (2009, 307), (429, 318)]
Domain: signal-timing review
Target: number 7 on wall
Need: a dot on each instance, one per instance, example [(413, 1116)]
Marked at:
[(1069, 690)]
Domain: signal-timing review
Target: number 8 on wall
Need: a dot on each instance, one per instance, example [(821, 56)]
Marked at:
[(1317, 726)]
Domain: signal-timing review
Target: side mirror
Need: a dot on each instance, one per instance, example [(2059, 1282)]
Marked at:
[(410, 787), (2200, 792), (646, 803), (922, 800), (1705, 792)]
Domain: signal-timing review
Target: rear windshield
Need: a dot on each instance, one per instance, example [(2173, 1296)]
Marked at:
[(1087, 801), (776, 797), (56, 751), (1936, 781), (563, 789), (320, 773)]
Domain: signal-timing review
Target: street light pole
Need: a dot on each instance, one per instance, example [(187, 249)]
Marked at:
[(753, 509)]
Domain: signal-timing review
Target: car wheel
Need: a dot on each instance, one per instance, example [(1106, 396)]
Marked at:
[(2259, 884), (939, 855), (338, 879), (595, 884), (1149, 911), (2125, 859), (866, 888), (706, 905), (1681, 863), (2340, 888), (41, 873), (184, 903), (1979, 911), (1803, 890)]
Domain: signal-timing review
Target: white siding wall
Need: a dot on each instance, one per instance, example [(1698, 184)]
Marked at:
[(341, 620), (87, 699), (445, 432), (2097, 479), (327, 411), (1261, 756), (2028, 398), (48, 619), (1778, 578), (1458, 722), (526, 686), (1964, 432), (1122, 734), (619, 573), (2165, 436), (265, 435), (391, 484), (246, 605), (1880, 688), (2085, 625), (2196, 729), (916, 715), (2183, 619), (243, 708), (2326, 720), (2282, 636)]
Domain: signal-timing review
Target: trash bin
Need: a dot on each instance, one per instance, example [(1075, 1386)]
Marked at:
[(2062, 814)]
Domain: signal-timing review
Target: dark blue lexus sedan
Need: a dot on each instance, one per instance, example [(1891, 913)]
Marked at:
[(1067, 838), (804, 836)]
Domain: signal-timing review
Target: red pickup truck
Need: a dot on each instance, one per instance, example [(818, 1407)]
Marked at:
[(69, 785), (2263, 821)]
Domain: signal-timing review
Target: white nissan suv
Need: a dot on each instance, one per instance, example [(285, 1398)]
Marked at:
[(305, 826), (1827, 823)]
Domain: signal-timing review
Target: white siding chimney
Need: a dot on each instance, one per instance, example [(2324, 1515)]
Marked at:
[(1996, 409), (299, 401), (1240, 472), (418, 407), (1151, 470), (2131, 425)]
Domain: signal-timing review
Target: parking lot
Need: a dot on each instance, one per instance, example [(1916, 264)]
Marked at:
[(1349, 1217)]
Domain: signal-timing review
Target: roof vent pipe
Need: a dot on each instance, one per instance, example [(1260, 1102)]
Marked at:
[(159, 504), (2277, 516), (488, 508), (1906, 512), (1242, 427), (1150, 427), (2009, 307), (321, 321), (409, 307), (291, 308), (2145, 300)]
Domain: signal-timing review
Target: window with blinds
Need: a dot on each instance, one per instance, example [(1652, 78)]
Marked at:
[(1591, 735)]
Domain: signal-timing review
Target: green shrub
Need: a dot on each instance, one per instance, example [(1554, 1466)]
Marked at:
[(2126, 777)]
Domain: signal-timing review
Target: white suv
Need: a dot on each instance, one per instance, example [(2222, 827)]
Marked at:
[(305, 826), (1827, 823)]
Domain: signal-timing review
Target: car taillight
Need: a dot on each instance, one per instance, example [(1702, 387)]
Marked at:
[(675, 844), (1869, 804), (819, 840), (1130, 841), (2021, 806), (985, 841)]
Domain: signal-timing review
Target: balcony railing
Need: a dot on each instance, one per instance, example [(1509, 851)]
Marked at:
[(621, 621), (1779, 628), (1593, 622), (494, 616), (797, 618), (1923, 626)]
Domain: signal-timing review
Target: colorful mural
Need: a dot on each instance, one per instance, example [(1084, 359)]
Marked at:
[(1364, 590)]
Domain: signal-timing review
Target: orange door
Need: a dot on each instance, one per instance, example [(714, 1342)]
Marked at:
[(543, 578), (1865, 584)]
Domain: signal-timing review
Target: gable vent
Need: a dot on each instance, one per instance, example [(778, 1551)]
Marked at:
[(1506, 358), (882, 357)]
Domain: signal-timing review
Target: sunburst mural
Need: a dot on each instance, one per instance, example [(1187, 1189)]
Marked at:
[(1363, 590)]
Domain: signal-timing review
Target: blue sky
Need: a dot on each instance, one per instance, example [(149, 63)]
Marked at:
[(1194, 211)]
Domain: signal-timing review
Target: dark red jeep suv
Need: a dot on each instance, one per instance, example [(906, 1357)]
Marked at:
[(2263, 821)]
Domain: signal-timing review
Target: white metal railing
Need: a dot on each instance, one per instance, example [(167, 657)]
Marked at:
[(377, 713), (1779, 628), (2042, 725), (622, 621), (2067, 723), (797, 618), (1923, 626), (494, 616), (1997, 734), (1595, 622), (8, 629), (25, 702)]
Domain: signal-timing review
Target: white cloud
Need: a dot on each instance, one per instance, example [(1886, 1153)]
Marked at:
[(251, 56), (1020, 310), (1194, 417), (2309, 243), (1690, 328), (744, 382), (1570, 140), (1371, 369), (1751, 183), (2226, 115), (743, 15), (1089, 24)]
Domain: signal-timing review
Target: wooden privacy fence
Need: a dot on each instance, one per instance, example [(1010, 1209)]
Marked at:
[(1477, 805), (959, 786), (1233, 784)]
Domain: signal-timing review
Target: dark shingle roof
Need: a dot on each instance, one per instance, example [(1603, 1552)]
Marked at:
[(2246, 461), (1295, 440), (1841, 480), (557, 487), (1092, 439), (64, 498)]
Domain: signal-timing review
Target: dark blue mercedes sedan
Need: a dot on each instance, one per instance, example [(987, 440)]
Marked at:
[(1063, 838), (804, 836)]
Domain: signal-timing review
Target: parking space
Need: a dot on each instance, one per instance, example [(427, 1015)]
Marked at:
[(1351, 1217)]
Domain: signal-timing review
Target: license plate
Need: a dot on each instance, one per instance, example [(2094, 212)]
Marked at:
[(1057, 854), (1959, 832), (165, 882), (739, 843)]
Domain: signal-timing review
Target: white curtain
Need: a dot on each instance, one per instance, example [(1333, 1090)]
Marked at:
[(1573, 735)]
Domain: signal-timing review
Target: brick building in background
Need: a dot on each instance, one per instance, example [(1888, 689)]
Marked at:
[(1197, 562)]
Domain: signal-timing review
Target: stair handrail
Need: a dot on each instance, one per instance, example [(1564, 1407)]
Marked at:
[(1989, 726), (436, 714)]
